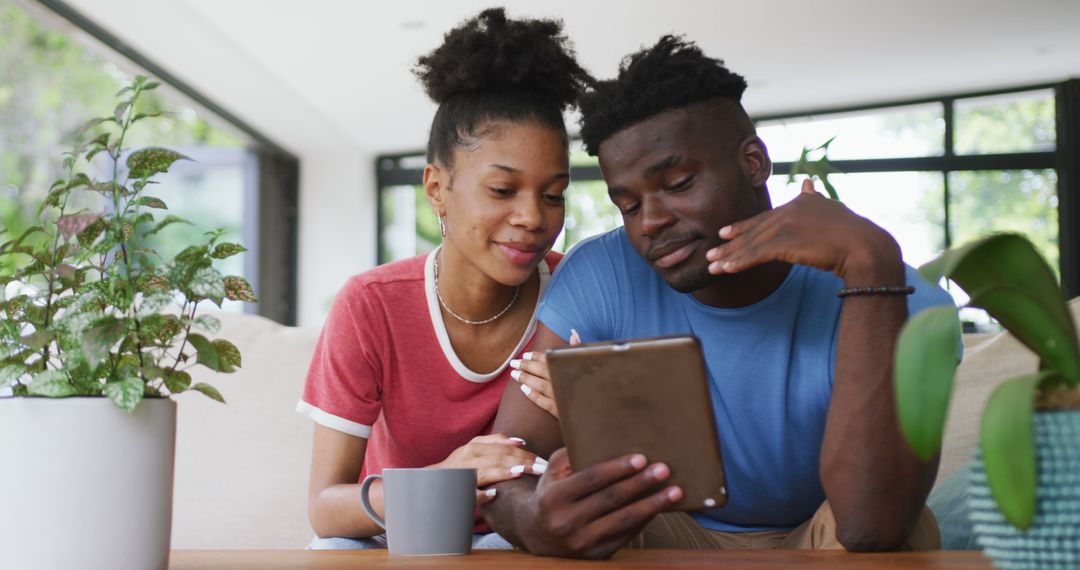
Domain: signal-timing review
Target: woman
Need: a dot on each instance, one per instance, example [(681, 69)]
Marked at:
[(414, 356)]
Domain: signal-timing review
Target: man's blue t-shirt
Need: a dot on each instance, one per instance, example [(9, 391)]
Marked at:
[(770, 366)]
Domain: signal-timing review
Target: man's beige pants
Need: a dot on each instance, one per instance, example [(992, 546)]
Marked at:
[(679, 530)]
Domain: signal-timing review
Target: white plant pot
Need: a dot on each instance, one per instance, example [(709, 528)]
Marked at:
[(84, 485)]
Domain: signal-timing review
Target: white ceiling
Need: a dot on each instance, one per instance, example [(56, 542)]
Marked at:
[(348, 62)]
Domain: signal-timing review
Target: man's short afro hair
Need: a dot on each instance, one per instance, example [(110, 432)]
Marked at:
[(672, 74)]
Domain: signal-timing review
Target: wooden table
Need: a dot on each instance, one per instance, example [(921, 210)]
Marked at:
[(516, 560)]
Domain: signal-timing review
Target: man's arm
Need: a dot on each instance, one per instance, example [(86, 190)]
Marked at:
[(586, 514), (875, 484)]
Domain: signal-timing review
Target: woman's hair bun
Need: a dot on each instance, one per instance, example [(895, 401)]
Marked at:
[(491, 53)]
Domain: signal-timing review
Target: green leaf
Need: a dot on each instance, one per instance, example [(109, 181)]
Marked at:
[(169, 220), (150, 161), (209, 391), (94, 122), (1033, 324), (208, 323), (1008, 447), (141, 116), (207, 354), (126, 394), (150, 202), (9, 373), (150, 86), (208, 283), (120, 110), (39, 339), (92, 232), (100, 338), (238, 289), (228, 354), (224, 250), (925, 365), (1005, 275), (154, 303), (177, 381), (51, 383)]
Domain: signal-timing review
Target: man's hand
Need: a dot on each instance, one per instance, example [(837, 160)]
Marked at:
[(594, 512), (815, 231)]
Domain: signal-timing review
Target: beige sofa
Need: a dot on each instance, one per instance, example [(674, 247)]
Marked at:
[(242, 468)]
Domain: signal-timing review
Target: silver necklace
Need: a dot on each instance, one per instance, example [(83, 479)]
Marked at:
[(461, 318)]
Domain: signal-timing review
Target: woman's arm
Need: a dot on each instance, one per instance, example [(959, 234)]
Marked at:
[(333, 493)]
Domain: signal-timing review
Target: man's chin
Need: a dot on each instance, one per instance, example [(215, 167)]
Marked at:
[(689, 280)]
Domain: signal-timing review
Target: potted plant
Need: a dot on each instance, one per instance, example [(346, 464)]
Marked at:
[(97, 330), (1024, 492)]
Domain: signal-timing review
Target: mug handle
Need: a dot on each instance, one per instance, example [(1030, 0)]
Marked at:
[(366, 502)]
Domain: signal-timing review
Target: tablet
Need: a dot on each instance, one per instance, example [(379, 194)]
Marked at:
[(648, 396)]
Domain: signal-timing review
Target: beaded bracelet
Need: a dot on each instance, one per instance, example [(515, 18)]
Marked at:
[(862, 291)]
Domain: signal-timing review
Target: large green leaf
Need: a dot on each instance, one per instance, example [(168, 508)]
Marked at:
[(209, 391), (238, 289), (1033, 324), (1008, 447), (224, 250), (1009, 261), (150, 161), (99, 339), (206, 352), (208, 283), (126, 394), (228, 355), (51, 383), (177, 381), (924, 366)]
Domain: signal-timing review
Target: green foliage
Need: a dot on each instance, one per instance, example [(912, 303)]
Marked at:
[(89, 315), (1005, 275), (819, 168), (927, 362), (1008, 447)]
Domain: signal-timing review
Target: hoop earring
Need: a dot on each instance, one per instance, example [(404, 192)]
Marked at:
[(442, 226)]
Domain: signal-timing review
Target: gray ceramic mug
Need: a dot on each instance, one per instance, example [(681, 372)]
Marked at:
[(429, 511)]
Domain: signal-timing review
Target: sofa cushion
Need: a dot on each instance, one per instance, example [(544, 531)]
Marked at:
[(242, 468)]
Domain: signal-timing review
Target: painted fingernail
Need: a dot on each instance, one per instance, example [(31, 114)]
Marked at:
[(728, 265), (518, 439), (637, 461), (659, 471), (526, 389), (490, 492), (541, 461), (515, 374), (517, 470), (674, 494), (539, 468), (526, 356), (724, 231), (715, 266), (515, 364)]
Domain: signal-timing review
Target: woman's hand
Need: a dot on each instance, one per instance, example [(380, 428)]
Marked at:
[(532, 373), (496, 458)]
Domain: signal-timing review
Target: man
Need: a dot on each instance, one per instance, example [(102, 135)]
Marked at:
[(798, 309)]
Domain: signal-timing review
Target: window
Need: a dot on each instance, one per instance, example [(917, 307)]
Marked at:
[(51, 84), (938, 173)]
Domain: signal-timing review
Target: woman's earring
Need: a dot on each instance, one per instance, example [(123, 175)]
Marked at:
[(442, 226)]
